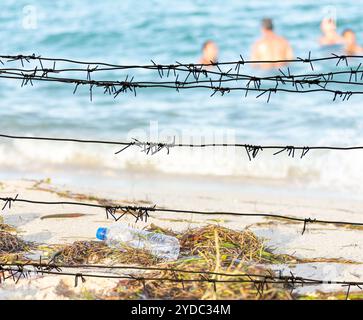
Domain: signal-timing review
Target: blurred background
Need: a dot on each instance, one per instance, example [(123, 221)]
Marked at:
[(129, 32)]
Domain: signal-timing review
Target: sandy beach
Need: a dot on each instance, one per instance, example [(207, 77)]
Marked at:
[(326, 252)]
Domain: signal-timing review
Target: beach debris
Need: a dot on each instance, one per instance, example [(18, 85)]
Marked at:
[(217, 263), (154, 228), (83, 252), (243, 245), (10, 243), (12, 248), (64, 216), (4, 226), (206, 250), (158, 244), (65, 289), (210, 288)]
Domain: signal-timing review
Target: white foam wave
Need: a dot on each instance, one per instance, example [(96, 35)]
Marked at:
[(340, 171)]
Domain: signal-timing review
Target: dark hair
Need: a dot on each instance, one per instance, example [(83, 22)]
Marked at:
[(347, 30), (267, 24), (206, 43)]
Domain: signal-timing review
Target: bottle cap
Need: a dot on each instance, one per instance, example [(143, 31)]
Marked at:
[(101, 233)]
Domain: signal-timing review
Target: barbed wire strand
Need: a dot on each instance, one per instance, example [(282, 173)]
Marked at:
[(51, 265), (308, 60), (142, 213), (154, 147), (292, 282), (308, 79), (116, 87)]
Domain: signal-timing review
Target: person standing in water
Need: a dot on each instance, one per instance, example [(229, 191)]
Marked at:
[(209, 53), (271, 47), (350, 41), (330, 36)]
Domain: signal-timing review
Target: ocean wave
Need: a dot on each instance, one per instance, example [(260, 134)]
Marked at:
[(337, 172)]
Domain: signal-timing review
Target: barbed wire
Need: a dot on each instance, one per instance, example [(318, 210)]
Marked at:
[(17, 271), (154, 66), (284, 77), (315, 82), (51, 265), (152, 148), (117, 87), (309, 79), (142, 213)]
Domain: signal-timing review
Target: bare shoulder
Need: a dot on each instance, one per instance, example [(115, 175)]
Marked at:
[(256, 50), (257, 43), (285, 43), (283, 40)]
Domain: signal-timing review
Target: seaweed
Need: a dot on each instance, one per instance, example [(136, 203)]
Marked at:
[(209, 243), (88, 252), (12, 248)]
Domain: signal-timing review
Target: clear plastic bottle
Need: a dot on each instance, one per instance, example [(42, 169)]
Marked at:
[(158, 244)]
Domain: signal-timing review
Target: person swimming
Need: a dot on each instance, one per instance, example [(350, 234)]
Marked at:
[(330, 36), (271, 47), (351, 46), (209, 53)]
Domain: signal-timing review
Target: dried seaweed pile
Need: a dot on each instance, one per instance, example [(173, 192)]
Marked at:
[(215, 249), (89, 252), (243, 246), (12, 247)]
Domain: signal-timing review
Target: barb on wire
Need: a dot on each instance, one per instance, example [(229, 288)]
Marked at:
[(355, 73), (252, 151), (139, 213), (306, 221), (8, 202), (304, 151), (307, 60), (290, 151), (341, 58), (149, 147)]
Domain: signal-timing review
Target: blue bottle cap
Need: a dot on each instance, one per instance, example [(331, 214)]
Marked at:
[(101, 233)]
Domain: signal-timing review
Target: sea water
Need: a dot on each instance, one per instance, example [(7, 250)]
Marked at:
[(129, 32)]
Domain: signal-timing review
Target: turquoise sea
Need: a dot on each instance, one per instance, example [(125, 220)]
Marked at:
[(134, 32)]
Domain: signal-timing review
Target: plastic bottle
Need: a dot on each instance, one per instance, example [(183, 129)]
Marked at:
[(158, 244)]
